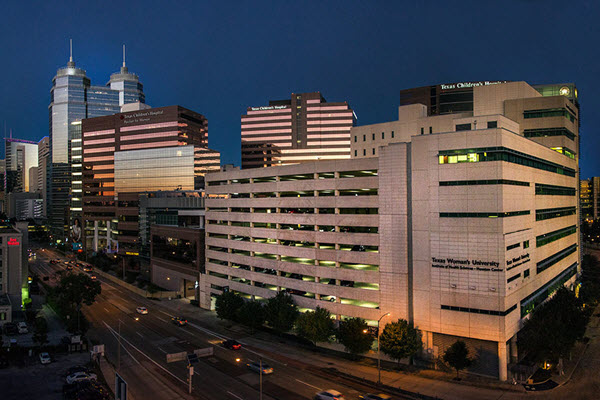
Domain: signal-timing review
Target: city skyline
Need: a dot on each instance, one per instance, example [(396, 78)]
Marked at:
[(366, 62)]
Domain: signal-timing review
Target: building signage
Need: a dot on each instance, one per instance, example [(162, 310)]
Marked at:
[(13, 242), (140, 116), (462, 85), (516, 261), (268, 108), (454, 263)]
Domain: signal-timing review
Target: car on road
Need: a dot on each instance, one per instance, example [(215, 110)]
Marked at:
[(22, 327), (86, 268), (69, 267), (180, 321), (329, 395), (45, 358), (371, 396), (256, 366), (232, 344), (80, 376), (92, 277), (141, 310)]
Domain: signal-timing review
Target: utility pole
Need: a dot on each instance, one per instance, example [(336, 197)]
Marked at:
[(191, 370), (119, 349)]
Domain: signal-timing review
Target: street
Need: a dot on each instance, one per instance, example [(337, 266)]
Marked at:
[(147, 339)]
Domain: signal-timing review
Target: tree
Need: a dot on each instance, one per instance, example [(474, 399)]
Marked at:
[(560, 322), (251, 314), (40, 331), (281, 312), (227, 305), (457, 356), (351, 334), (72, 291), (315, 326), (400, 340)]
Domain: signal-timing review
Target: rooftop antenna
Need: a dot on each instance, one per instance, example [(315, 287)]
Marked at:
[(71, 63), (123, 56)]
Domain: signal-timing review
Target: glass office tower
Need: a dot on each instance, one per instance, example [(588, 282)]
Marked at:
[(73, 99)]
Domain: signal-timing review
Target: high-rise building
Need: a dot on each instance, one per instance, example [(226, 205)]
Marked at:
[(21, 155), (589, 194), (74, 98), (43, 170), (127, 153), (461, 224), (303, 128)]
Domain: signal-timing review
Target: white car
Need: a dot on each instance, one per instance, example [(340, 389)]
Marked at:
[(45, 358), (329, 395), (141, 310), (80, 376)]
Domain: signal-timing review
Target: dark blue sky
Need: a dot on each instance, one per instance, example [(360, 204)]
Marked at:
[(219, 58)]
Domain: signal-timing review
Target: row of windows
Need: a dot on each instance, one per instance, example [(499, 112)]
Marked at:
[(296, 210), (372, 137), (514, 277), (311, 193), (549, 112), (484, 182), (544, 132), (285, 178), (479, 311), (549, 213), (297, 243), (566, 151), (483, 215), (501, 154), (300, 260), (298, 227), (555, 258), (554, 235), (514, 246), (552, 190)]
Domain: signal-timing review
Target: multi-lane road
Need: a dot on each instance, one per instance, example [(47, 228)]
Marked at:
[(147, 339)]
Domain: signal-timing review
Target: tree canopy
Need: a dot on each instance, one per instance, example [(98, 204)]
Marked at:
[(400, 340), (40, 331), (281, 312), (227, 305), (351, 334), (75, 289), (315, 326), (251, 314), (457, 356)]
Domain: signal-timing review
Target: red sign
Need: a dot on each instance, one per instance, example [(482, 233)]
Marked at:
[(13, 242)]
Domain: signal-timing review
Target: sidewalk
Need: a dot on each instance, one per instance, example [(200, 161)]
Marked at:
[(427, 382)]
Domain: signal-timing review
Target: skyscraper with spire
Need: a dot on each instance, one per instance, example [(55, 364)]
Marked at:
[(72, 99)]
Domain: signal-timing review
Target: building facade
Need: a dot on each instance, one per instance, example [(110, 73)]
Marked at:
[(589, 192), (301, 129), (461, 223), (127, 153), (13, 267), (21, 155)]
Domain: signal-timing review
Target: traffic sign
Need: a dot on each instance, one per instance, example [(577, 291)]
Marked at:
[(176, 356), (120, 388), (209, 351)]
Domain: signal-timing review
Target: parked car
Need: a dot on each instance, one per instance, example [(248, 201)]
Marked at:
[(77, 368), (231, 344), (22, 327), (141, 310), (371, 396), (266, 368), (45, 358), (80, 376), (329, 395), (179, 321), (10, 328)]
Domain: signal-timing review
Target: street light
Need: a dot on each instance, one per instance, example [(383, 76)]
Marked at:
[(378, 353)]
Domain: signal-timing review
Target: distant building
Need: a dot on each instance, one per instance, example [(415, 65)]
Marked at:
[(589, 194), (128, 153), (43, 171), (301, 129), (21, 156), (24, 206), (13, 267)]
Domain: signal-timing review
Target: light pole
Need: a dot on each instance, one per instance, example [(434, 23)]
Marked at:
[(378, 353), (119, 349)]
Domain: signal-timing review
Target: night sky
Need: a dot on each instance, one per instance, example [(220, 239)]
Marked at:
[(217, 58)]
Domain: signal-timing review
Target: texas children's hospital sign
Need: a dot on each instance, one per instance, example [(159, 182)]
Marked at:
[(462, 85)]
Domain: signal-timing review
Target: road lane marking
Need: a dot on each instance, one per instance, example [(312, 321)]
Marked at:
[(148, 357), (308, 384), (161, 349), (235, 395), (140, 334), (115, 334), (160, 319), (105, 309)]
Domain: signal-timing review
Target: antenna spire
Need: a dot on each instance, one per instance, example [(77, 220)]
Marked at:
[(124, 56), (71, 48)]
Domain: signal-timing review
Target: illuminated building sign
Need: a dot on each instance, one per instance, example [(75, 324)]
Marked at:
[(454, 263), (268, 108), (13, 242), (462, 85)]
